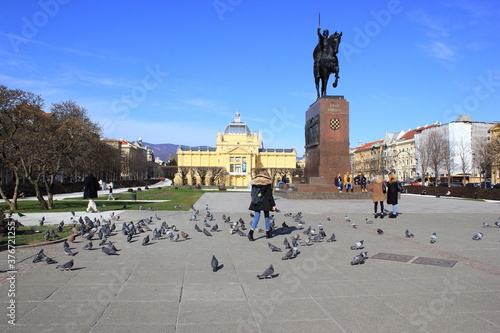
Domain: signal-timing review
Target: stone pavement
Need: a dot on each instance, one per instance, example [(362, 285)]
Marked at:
[(169, 287)]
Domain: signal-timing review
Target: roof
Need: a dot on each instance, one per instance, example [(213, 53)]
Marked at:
[(237, 126), (368, 145), (276, 150)]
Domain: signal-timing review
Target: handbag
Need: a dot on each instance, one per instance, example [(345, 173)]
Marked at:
[(384, 189)]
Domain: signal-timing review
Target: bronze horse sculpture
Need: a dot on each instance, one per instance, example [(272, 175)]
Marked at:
[(325, 60)]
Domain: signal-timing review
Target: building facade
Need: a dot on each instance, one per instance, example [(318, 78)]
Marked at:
[(238, 152)]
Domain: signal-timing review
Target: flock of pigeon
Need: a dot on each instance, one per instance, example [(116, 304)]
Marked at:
[(101, 230)]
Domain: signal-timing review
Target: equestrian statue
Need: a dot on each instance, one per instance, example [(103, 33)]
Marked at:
[(325, 60)]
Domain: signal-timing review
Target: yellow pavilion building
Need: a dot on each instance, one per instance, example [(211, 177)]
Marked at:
[(237, 153)]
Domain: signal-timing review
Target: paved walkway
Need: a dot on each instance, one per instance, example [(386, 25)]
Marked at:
[(169, 286)]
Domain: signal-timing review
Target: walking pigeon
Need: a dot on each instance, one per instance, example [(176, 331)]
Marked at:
[(66, 267), (477, 236), (288, 255), (408, 234), (215, 264), (433, 238), (267, 273), (88, 246), (145, 241), (380, 231), (206, 232), (273, 248), (107, 251), (331, 239), (286, 244), (358, 245)]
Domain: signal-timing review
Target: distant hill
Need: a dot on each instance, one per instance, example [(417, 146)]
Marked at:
[(162, 150)]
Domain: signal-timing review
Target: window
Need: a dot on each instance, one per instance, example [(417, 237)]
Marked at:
[(231, 159), (238, 168), (231, 167)]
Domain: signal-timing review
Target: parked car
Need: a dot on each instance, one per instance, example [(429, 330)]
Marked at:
[(443, 184), (472, 184)]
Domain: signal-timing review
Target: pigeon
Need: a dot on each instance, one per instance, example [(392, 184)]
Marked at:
[(328, 218), (273, 248), (215, 264), (35, 230), (477, 236), (497, 224), (288, 255), (39, 256), (285, 226), (359, 259), (68, 252), (197, 228), (215, 228), (145, 241), (54, 235), (331, 239), (380, 231), (267, 273), (73, 213), (72, 238), (433, 238), (486, 225), (184, 235), (368, 221), (358, 245), (112, 247), (88, 246), (353, 225), (206, 232), (175, 238), (286, 244), (107, 251), (66, 267), (129, 238), (49, 260), (21, 214), (347, 218), (408, 234)]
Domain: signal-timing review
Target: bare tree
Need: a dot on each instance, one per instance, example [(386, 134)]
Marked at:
[(483, 158), (463, 152), (183, 171), (169, 171), (448, 154), (203, 171), (423, 155), (217, 174)]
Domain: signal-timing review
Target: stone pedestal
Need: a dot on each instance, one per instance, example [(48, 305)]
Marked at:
[(327, 140)]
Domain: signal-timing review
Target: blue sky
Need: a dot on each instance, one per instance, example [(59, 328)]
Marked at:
[(176, 71)]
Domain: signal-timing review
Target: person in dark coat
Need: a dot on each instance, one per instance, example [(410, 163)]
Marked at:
[(393, 188), (90, 188), (264, 201)]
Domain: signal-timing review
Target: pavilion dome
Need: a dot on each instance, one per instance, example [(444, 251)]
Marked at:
[(237, 126)]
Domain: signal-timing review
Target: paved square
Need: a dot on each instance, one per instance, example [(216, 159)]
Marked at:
[(170, 287)]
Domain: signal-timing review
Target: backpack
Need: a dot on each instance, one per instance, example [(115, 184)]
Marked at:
[(256, 195)]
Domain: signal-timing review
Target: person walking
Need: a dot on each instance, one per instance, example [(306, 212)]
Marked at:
[(378, 188), (110, 187), (393, 188), (338, 182), (91, 186), (261, 200)]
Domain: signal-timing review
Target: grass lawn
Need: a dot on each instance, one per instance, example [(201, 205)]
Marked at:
[(25, 236), (183, 196)]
